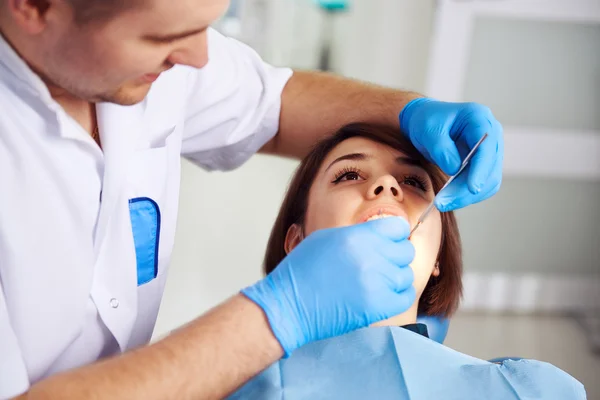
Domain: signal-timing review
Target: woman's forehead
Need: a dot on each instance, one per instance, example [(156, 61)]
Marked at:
[(362, 145)]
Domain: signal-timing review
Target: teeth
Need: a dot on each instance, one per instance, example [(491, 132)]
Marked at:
[(379, 216)]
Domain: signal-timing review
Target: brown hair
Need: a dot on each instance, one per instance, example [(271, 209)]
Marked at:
[(442, 293)]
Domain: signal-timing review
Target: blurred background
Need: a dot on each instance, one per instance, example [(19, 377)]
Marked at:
[(532, 252)]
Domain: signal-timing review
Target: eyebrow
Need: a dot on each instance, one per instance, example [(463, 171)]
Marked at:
[(363, 157), (173, 36)]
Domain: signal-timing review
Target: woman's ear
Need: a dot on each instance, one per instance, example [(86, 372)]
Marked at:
[(436, 269), (293, 237)]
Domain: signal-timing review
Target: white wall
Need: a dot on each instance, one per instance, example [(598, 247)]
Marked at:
[(386, 42)]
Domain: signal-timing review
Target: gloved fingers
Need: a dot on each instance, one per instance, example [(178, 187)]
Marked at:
[(466, 198), (445, 200), (392, 228), (484, 160), (399, 294), (457, 195), (443, 151), (423, 150), (403, 300), (399, 254), (398, 278)]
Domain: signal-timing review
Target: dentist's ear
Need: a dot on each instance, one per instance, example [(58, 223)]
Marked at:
[(293, 237), (31, 15)]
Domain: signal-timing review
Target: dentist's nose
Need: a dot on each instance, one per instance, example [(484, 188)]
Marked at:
[(193, 53), (385, 186)]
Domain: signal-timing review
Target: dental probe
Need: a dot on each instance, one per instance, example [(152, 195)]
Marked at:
[(432, 204)]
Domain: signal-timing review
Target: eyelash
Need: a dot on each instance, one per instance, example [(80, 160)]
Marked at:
[(345, 172), (422, 183)]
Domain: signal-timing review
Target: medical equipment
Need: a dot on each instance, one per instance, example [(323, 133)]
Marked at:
[(331, 9), (394, 363), (451, 126), (432, 204)]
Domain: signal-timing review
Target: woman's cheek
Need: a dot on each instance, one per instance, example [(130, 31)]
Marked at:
[(426, 241), (328, 212)]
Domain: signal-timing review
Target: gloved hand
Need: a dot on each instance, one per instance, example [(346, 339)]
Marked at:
[(444, 133), (338, 280)]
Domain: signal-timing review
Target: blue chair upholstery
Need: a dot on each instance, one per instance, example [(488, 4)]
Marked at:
[(436, 327)]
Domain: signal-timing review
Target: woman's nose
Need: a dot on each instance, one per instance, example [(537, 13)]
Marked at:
[(385, 186)]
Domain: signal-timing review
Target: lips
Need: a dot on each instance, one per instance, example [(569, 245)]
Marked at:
[(383, 210), (154, 76), (150, 77)]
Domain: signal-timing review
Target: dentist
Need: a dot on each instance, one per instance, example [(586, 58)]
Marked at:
[(99, 99)]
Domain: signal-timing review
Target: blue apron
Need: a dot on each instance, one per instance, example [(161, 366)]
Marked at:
[(395, 363)]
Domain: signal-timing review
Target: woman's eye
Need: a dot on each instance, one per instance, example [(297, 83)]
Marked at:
[(415, 181), (411, 182), (350, 176), (347, 175)]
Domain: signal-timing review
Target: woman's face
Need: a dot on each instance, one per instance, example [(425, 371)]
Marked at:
[(361, 179)]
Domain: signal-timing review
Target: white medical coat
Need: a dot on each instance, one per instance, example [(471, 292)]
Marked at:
[(86, 234)]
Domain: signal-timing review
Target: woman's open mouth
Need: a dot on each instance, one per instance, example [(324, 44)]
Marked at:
[(383, 212)]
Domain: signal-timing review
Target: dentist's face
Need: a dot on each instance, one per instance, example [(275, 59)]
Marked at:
[(117, 60), (362, 179)]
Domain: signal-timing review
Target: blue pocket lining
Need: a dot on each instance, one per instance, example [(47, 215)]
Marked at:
[(145, 225)]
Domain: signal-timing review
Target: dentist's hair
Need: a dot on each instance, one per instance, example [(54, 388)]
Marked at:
[(442, 293)]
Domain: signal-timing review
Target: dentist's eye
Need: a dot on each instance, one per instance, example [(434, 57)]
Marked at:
[(416, 181), (347, 174)]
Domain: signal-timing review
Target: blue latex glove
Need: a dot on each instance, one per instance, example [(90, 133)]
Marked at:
[(338, 280), (444, 133)]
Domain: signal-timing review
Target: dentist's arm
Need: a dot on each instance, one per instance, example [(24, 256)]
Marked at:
[(206, 359), (326, 286), (316, 104)]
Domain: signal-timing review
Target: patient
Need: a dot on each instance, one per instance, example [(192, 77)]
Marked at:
[(366, 172), (361, 173)]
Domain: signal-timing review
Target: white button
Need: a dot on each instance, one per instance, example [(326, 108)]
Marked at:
[(114, 303)]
